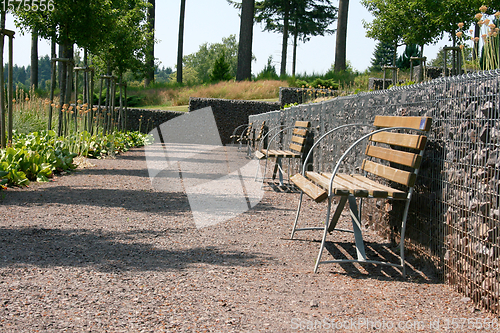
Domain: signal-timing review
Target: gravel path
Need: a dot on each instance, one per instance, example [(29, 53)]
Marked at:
[(100, 250)]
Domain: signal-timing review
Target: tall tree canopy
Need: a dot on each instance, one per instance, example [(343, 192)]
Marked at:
[(299, 18), (382, 56), (419, 22), (113, 30)]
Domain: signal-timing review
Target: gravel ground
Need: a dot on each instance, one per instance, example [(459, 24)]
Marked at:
[(101, 250)]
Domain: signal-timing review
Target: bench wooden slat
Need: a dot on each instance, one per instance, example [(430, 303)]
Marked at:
[(420, 123), (277, 153), (315, 192), (342, 182), (324, 181), (302, 123), (397, 194), (288, 153), (261, 131), (299, 131), (413, 141), (259, 155), (298, 140), (389, 173), (362, 189), (396, 156), (295, 147)]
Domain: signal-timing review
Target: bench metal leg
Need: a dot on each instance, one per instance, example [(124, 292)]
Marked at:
[(278, 168), (356, 226), (297, 215), (402, 240), (325, 232)]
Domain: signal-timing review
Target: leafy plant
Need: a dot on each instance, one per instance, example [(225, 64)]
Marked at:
[(3, 180)]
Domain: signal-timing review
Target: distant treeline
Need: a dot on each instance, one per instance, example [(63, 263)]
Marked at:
[(22, 75)]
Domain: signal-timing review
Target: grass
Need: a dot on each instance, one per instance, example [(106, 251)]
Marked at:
[(171, 97)]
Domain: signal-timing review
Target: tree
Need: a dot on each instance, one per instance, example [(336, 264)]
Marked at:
[(382, 56), (386, 26), (341, 41), (34, 60), (113, 31), (221, 70), (411, 50), (269, 72), (439, 60), (244, 70), (312, 18), (180, 44), (203, 60), (150, 55), (301, 18)]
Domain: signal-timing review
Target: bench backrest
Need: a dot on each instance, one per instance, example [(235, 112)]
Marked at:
[(246, 135), (384, 146), (299, 136), (260, 134)]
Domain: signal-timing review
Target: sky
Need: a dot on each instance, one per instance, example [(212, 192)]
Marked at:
[(210, 21)]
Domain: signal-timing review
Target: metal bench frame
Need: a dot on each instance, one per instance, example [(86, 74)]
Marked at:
[(301, 130), (349, 194)]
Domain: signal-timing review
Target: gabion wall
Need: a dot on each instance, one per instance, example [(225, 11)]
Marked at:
[(145, 120), (230, 114), (454, 217)]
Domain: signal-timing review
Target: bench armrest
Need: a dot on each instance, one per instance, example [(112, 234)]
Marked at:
[(274, 136), (358, 141), (233, 136), (324, 136)]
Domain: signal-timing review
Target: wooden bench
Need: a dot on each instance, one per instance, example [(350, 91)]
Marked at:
[(241, 134), (259, 135), (393, 153), (295, 149)]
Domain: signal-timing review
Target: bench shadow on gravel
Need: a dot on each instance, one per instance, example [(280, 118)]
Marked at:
[(416, 271), (106, 251)]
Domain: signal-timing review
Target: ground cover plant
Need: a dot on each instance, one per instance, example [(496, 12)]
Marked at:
[(38, 156)]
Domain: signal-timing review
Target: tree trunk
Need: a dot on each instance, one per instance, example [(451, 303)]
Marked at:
[(52, 80), (2, 85), (285, 39), (34, 59), (181, 41), (244, 71), (340, 45), (62, 86), (150, 56), (294, 61), (60, 66)]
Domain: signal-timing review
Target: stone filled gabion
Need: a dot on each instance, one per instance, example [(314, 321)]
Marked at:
[(145, 120), (230, 114), (454, 218)]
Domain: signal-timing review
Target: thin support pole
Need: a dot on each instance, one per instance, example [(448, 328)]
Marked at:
[(11, 85), (2, 98)]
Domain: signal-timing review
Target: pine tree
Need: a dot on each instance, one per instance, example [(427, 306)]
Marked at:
[(382, 56), (411, 50), (221, 70)]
